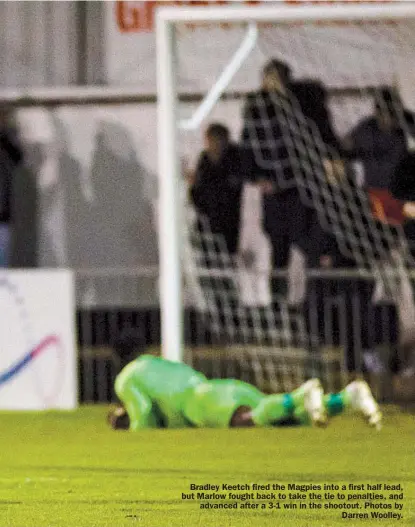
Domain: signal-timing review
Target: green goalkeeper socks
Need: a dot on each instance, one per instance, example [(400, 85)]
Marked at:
[(273, 408)]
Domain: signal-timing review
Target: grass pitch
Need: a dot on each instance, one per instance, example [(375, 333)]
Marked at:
[(69, 470)]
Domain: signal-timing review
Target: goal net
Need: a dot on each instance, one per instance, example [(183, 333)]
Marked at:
[(340, 68)]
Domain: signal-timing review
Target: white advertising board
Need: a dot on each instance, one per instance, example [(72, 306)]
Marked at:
[(38, 359)]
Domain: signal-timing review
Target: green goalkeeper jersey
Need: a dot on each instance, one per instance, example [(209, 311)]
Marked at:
[(153, 391)]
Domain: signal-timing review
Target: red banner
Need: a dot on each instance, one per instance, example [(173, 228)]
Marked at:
[(138, 17)]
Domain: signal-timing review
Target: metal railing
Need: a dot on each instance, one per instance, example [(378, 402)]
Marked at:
[(343, 323)]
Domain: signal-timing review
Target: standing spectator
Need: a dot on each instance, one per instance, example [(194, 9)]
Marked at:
[(380, 142), (216, 189), (402, 188), (10, 157), (339, 311), (272, 116), (284, 216), (217, 185)]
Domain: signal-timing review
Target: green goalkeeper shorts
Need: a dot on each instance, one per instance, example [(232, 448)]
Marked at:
[(213, 403)]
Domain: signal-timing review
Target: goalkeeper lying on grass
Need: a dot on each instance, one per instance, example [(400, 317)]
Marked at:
[(158, 393)]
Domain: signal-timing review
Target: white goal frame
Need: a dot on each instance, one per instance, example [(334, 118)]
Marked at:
[(171, 299)]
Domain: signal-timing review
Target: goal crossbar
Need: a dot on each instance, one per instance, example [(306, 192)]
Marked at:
[(285, 14)]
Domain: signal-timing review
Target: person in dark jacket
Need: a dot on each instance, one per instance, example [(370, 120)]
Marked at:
[(216, 190), (11, 155), (380, 141), (217, 186), (402, 188), (273, 117)]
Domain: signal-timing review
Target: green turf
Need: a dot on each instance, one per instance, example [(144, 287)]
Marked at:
[(68, 469)]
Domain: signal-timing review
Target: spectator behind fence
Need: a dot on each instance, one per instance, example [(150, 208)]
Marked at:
[(217, 185), (381, 143), (216, 191), (10, 157), (339, 311), (402, 188), (284, 215), (271, 117)]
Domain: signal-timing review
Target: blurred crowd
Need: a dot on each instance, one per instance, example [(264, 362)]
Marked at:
[(271, 155), (287, 137), (265, 154)]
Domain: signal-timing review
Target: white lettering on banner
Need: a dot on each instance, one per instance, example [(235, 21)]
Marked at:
[(140, 16)]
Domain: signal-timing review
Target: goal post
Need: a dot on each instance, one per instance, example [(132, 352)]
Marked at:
[(171, 207), (169, 195)]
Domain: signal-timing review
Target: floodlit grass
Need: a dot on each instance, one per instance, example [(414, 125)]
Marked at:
[(69, 470)]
